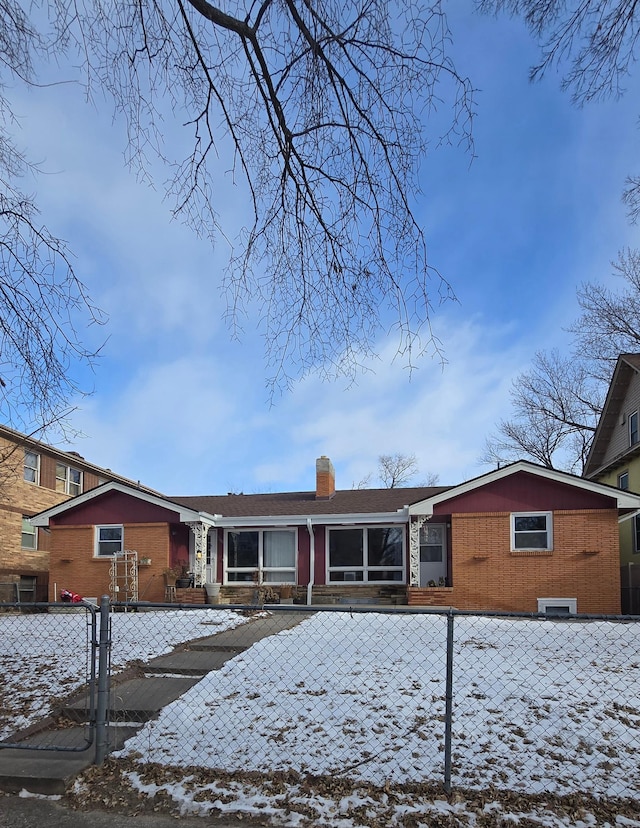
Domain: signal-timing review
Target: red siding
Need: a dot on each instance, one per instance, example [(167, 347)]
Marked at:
[(521, 492), (115, 507)]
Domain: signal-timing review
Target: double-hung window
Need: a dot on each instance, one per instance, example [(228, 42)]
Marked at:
[(263, 555), (32, 467), (68, 479), (368, 554), (29, 534), (531, 530), (109, 540)]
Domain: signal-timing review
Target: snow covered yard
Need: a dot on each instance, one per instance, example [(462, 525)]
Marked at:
[(45, 656), (540, 707), (339, 722)]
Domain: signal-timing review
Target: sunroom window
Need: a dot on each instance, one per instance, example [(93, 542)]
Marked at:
[(369, 554), (265, 555)]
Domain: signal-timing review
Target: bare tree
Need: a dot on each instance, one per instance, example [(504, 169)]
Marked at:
[(555, 412), (556, 405), (593, 42), (43, 304), (398, 470), (323, 104)]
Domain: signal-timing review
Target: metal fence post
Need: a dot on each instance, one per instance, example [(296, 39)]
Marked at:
[(102, 707), (448, 713)]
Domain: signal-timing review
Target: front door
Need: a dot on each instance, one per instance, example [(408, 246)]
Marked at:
[(433, 554)]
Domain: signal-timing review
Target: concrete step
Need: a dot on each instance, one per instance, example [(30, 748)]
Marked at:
[(137, 700), (196, 662), (48, 772)]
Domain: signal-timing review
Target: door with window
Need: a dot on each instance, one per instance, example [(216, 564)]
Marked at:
[(433, 554)]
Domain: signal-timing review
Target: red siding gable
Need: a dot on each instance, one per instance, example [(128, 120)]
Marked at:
[(522, 492), (115, 507)]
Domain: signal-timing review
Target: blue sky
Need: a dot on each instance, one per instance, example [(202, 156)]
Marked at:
[(184, 408)]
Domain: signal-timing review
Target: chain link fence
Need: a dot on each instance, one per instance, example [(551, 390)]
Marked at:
[(518, 703)]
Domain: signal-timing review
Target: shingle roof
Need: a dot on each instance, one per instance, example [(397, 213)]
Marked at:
[(349, 501)]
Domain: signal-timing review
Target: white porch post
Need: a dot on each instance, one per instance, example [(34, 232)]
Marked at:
[(415, 525), (200, 532)]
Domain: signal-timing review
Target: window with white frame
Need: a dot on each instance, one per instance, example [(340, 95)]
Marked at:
[(29, 534), (368, 554), (558, 606), (109, 540), (263, 555), (32, 467), (623, 480), (68, 479), (633, 428), (531, 530)]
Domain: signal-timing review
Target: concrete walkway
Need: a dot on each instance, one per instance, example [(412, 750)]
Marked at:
[(133, 701)]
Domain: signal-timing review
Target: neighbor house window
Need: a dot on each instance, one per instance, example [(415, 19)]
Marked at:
[(31, 467), (370, 554), (633, 428), (623, 480), (109, 540), (263, 555), (68, 479), (636, 534), (29, 534), (532, 530)]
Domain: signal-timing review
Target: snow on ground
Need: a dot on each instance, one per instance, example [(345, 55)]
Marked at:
[(338, 722), (45, 656), (539, 706)]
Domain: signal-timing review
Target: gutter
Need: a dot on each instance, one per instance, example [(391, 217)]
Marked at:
[(312, 559)]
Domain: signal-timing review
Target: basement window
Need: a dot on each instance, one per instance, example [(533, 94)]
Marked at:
[(558, 607)]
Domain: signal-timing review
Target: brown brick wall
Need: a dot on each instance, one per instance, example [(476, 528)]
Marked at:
[(73, 565), (584, 563)]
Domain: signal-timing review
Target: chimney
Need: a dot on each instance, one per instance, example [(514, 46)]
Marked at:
[(325, 479)]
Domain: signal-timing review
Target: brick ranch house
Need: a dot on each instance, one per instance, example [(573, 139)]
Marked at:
[(520, 538)]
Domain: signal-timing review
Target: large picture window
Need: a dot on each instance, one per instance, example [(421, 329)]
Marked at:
[(531, 530), (266, 555), (370, 554), (109, 540)]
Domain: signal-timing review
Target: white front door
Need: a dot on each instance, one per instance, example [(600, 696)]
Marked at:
[(433, 554)]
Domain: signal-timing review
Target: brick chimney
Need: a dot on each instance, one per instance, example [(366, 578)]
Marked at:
[(325, 479)]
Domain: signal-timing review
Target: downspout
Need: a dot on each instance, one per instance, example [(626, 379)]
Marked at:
[(312, 559)]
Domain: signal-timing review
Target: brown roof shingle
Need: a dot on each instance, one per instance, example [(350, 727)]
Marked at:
[(349, 501)]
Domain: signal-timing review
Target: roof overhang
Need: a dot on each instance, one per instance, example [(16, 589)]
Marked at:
[(624, 500), (185, 515), (375, 518)]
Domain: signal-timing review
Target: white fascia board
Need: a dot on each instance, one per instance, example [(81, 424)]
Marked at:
[(624, 499), (401, 516), (42, 519)]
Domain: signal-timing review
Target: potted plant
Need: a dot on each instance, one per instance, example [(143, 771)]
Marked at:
[(144, 561), (183, 581), (170, 576)]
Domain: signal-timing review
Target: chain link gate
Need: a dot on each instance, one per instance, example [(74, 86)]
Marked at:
[(30, 714)]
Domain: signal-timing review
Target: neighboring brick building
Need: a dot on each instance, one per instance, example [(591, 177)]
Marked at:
[(521, 538), (35, 476)]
